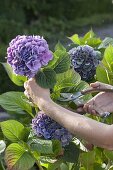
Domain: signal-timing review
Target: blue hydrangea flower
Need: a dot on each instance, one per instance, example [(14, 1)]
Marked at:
[(84, 59), (44, 126), (27, 54)]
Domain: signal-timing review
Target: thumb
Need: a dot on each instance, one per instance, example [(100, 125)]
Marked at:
[(95, 85), (100, 85)]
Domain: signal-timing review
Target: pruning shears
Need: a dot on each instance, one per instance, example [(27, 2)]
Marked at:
[(74, 96)]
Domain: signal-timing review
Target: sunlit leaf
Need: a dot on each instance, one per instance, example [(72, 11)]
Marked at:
[(102, 75), (18, 158), (17, 79), (13, 101), (87, 160), (12, 129), (104, 71), (68, 79), (75, 39), (93, 42), (90, 39)]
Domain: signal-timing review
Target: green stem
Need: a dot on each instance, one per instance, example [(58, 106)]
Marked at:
[(40, 167), (2, 166), (37, 161), (31, 114), (108, 165)]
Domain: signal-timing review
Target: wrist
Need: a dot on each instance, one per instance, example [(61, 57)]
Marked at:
[(44, 103)]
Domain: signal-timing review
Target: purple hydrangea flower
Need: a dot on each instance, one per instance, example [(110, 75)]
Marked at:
[(44, 126), (85, 59), (27, 54)]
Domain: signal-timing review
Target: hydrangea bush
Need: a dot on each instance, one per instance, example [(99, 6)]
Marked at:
[(32, 140)]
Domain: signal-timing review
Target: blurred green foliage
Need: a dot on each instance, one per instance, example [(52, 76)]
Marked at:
[(52, 19)]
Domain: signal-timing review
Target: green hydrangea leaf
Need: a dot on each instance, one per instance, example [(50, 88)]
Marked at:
[(90, 39), (108, 55), (59, 46), (64, 166), (13, 101), (93, 42), (75, 39), (17, 79), (67, 79), (41, 146), (17, 157), (61, 60), (98, 166), (106, 42), (57, 147), (71, 153), (109, 154), (63, 63), (89, 35), (54, 166), (104, 72), (46, 78), (12, 129), (87, 159)]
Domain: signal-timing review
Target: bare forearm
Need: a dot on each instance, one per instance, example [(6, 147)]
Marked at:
[(79, 125), (95, 132)]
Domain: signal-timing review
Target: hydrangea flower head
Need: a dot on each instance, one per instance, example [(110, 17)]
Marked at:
[(84, 59), (27, 54), (44, 126)]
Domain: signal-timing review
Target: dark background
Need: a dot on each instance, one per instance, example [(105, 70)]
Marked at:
[(54, 19)]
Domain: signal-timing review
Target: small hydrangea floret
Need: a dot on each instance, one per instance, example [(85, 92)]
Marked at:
[(84, 59), (27, 54), (44, 126)]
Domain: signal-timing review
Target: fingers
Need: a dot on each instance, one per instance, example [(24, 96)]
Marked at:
[(28, 86), (29, 82), (89, 146), (95, 85), (93, 109), (87, 108), (80, 110), (90, 109), (26, 94), (31, 87), (100, 85), (25, 84)]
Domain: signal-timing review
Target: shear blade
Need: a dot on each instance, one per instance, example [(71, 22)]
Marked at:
[(69, 96)]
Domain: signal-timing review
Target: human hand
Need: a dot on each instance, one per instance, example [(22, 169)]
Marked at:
[(36, 93), (102, 102)]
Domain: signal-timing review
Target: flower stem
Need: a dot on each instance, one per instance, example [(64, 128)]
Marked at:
[(39, 166)]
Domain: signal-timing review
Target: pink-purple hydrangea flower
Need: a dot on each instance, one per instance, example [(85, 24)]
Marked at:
[(44, 126), (27, 54)]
